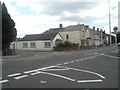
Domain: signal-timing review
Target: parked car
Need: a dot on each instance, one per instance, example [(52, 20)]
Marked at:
[(119, 44)]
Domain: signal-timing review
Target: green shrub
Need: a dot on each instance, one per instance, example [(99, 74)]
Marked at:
[(75, 44), (68, 44), (61, 44)]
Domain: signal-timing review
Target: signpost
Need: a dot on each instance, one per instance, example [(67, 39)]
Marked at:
[(115, 32)]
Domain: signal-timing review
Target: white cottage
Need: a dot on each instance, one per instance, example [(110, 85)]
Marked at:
[(38, 42)]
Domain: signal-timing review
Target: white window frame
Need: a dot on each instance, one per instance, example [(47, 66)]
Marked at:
[(25, 45), (32, 45), (47, 44)]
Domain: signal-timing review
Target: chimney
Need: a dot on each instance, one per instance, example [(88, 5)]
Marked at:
[(60, 26), (93, 27), (97, 29)]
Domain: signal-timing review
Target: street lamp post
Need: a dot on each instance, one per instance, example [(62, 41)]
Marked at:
[(115, 30)]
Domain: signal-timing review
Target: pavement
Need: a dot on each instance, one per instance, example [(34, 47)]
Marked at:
[(90, 68)]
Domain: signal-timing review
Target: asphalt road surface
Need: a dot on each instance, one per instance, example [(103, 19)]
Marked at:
[(89, 68)]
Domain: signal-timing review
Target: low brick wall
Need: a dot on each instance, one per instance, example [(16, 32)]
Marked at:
[(87, 47), (65, 48)]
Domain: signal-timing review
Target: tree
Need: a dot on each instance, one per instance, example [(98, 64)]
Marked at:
[(9, 31)]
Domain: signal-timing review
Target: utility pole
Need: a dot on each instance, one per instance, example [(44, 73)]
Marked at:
[(109, 23)]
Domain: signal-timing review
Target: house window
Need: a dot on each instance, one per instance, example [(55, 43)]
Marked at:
[(32, 45), (47, 44), (25, 45), (67, 36)]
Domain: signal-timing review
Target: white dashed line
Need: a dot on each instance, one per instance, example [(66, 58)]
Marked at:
[(81, 59), (21, 77), (89, 81), (59, 64), (92, 57), (66, 63), (86, 58), (12, 75), (26, 72), (43, 82), (36, 55), (72, 61), (77, 60), (3, 81)]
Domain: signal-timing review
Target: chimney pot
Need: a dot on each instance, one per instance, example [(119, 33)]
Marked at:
[(97, 29), (93, 27), (60, 26)]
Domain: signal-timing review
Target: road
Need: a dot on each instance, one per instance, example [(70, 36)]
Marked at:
[(89, 68)]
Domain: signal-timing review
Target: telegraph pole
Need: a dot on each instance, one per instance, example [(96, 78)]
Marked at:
[(109, 23)]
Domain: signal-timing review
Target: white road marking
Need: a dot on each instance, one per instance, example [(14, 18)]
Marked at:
[(89, 58), (72, 61), (66, 63), (36, 55), (12, 75), (43, 82), (90, 81), (3, 81), (110, 56), (19, 77), (92, 57), (30, 71), (85, 71), (59, 64), (81, 59), (58, 76), (77, 60), (55, 69), (85, 58), (35, 73), (102, 54)]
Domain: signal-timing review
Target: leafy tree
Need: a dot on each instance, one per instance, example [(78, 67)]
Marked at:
[(9, 31)]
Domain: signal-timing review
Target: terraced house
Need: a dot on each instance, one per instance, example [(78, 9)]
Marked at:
[(80, 33)]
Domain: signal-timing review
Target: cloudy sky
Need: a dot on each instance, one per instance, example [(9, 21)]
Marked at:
[(37, 16)]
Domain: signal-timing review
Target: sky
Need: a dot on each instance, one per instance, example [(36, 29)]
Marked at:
[(37, 16)]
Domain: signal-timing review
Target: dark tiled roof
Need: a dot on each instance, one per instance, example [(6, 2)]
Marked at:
[(73, 28), (44, 36)]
